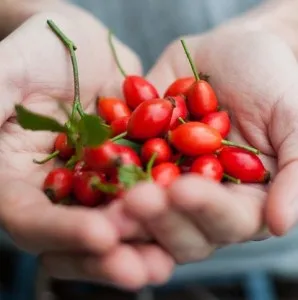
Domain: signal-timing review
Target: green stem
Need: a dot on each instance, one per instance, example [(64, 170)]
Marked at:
[(107, 188), (151, 163), (119, 136), (71, 162), (248, 148), (77, 107), (194, 70), (114, 53), (48, 158), (181, 120), (231, 179)]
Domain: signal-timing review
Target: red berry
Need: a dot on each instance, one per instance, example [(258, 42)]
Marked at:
[(119, 126), (208, 166), (180, 111), (111, 109), (160, 147), (243, 165), (220, 121), (179, 87), (137, 89), (127, 156), (85, 188), (101, 157), (201, 99), (61, 145), (165, 174), (58, 184), (195, 138), (150, 119)]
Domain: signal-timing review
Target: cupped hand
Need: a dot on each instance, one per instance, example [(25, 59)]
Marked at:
[(255, 77), (36, 71)]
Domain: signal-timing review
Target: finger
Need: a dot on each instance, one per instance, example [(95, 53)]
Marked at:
[(225, 215), (282, 205), (37, 225), (179, 236), (128, 227), (123, 267), (130, 267), (158, 262)]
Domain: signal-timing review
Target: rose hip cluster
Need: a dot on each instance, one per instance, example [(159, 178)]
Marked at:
[(152, 137)]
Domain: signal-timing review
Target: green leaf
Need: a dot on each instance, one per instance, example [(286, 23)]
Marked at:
[(136, 147), (33, 121), (93, 131), (129, 175)]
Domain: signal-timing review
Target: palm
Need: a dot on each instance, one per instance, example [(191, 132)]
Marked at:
[(44, 75), (39, 74), (252, 74)]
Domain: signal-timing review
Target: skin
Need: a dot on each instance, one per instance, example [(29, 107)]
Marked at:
[(262, 69), (39, 73), (255, 75)]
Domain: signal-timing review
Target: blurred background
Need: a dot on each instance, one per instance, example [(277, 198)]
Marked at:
[(266, 270)]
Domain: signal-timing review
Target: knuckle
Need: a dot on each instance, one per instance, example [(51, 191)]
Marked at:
[(94, 233), (194, 255)]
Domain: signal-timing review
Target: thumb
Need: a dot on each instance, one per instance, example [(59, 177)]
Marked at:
[(282, 205)]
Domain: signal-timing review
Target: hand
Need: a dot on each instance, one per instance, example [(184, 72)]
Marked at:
[(73, 243), (255, 76)]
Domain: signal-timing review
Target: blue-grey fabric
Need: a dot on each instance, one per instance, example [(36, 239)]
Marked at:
[(148, 26)]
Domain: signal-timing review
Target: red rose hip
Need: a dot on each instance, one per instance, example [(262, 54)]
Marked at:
[(201, 98), (119, 126), (111, 109), (243, 165), (150, 119), (179, 112), (136, 89), (101, 157), (127, 156), (195, 138), (179, 87), (86, 190), (160, 147), (165, 174), (220, 121), (61, 144), (208, 166), (58, 184)]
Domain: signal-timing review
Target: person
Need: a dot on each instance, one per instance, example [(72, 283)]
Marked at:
[(252, 61)]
